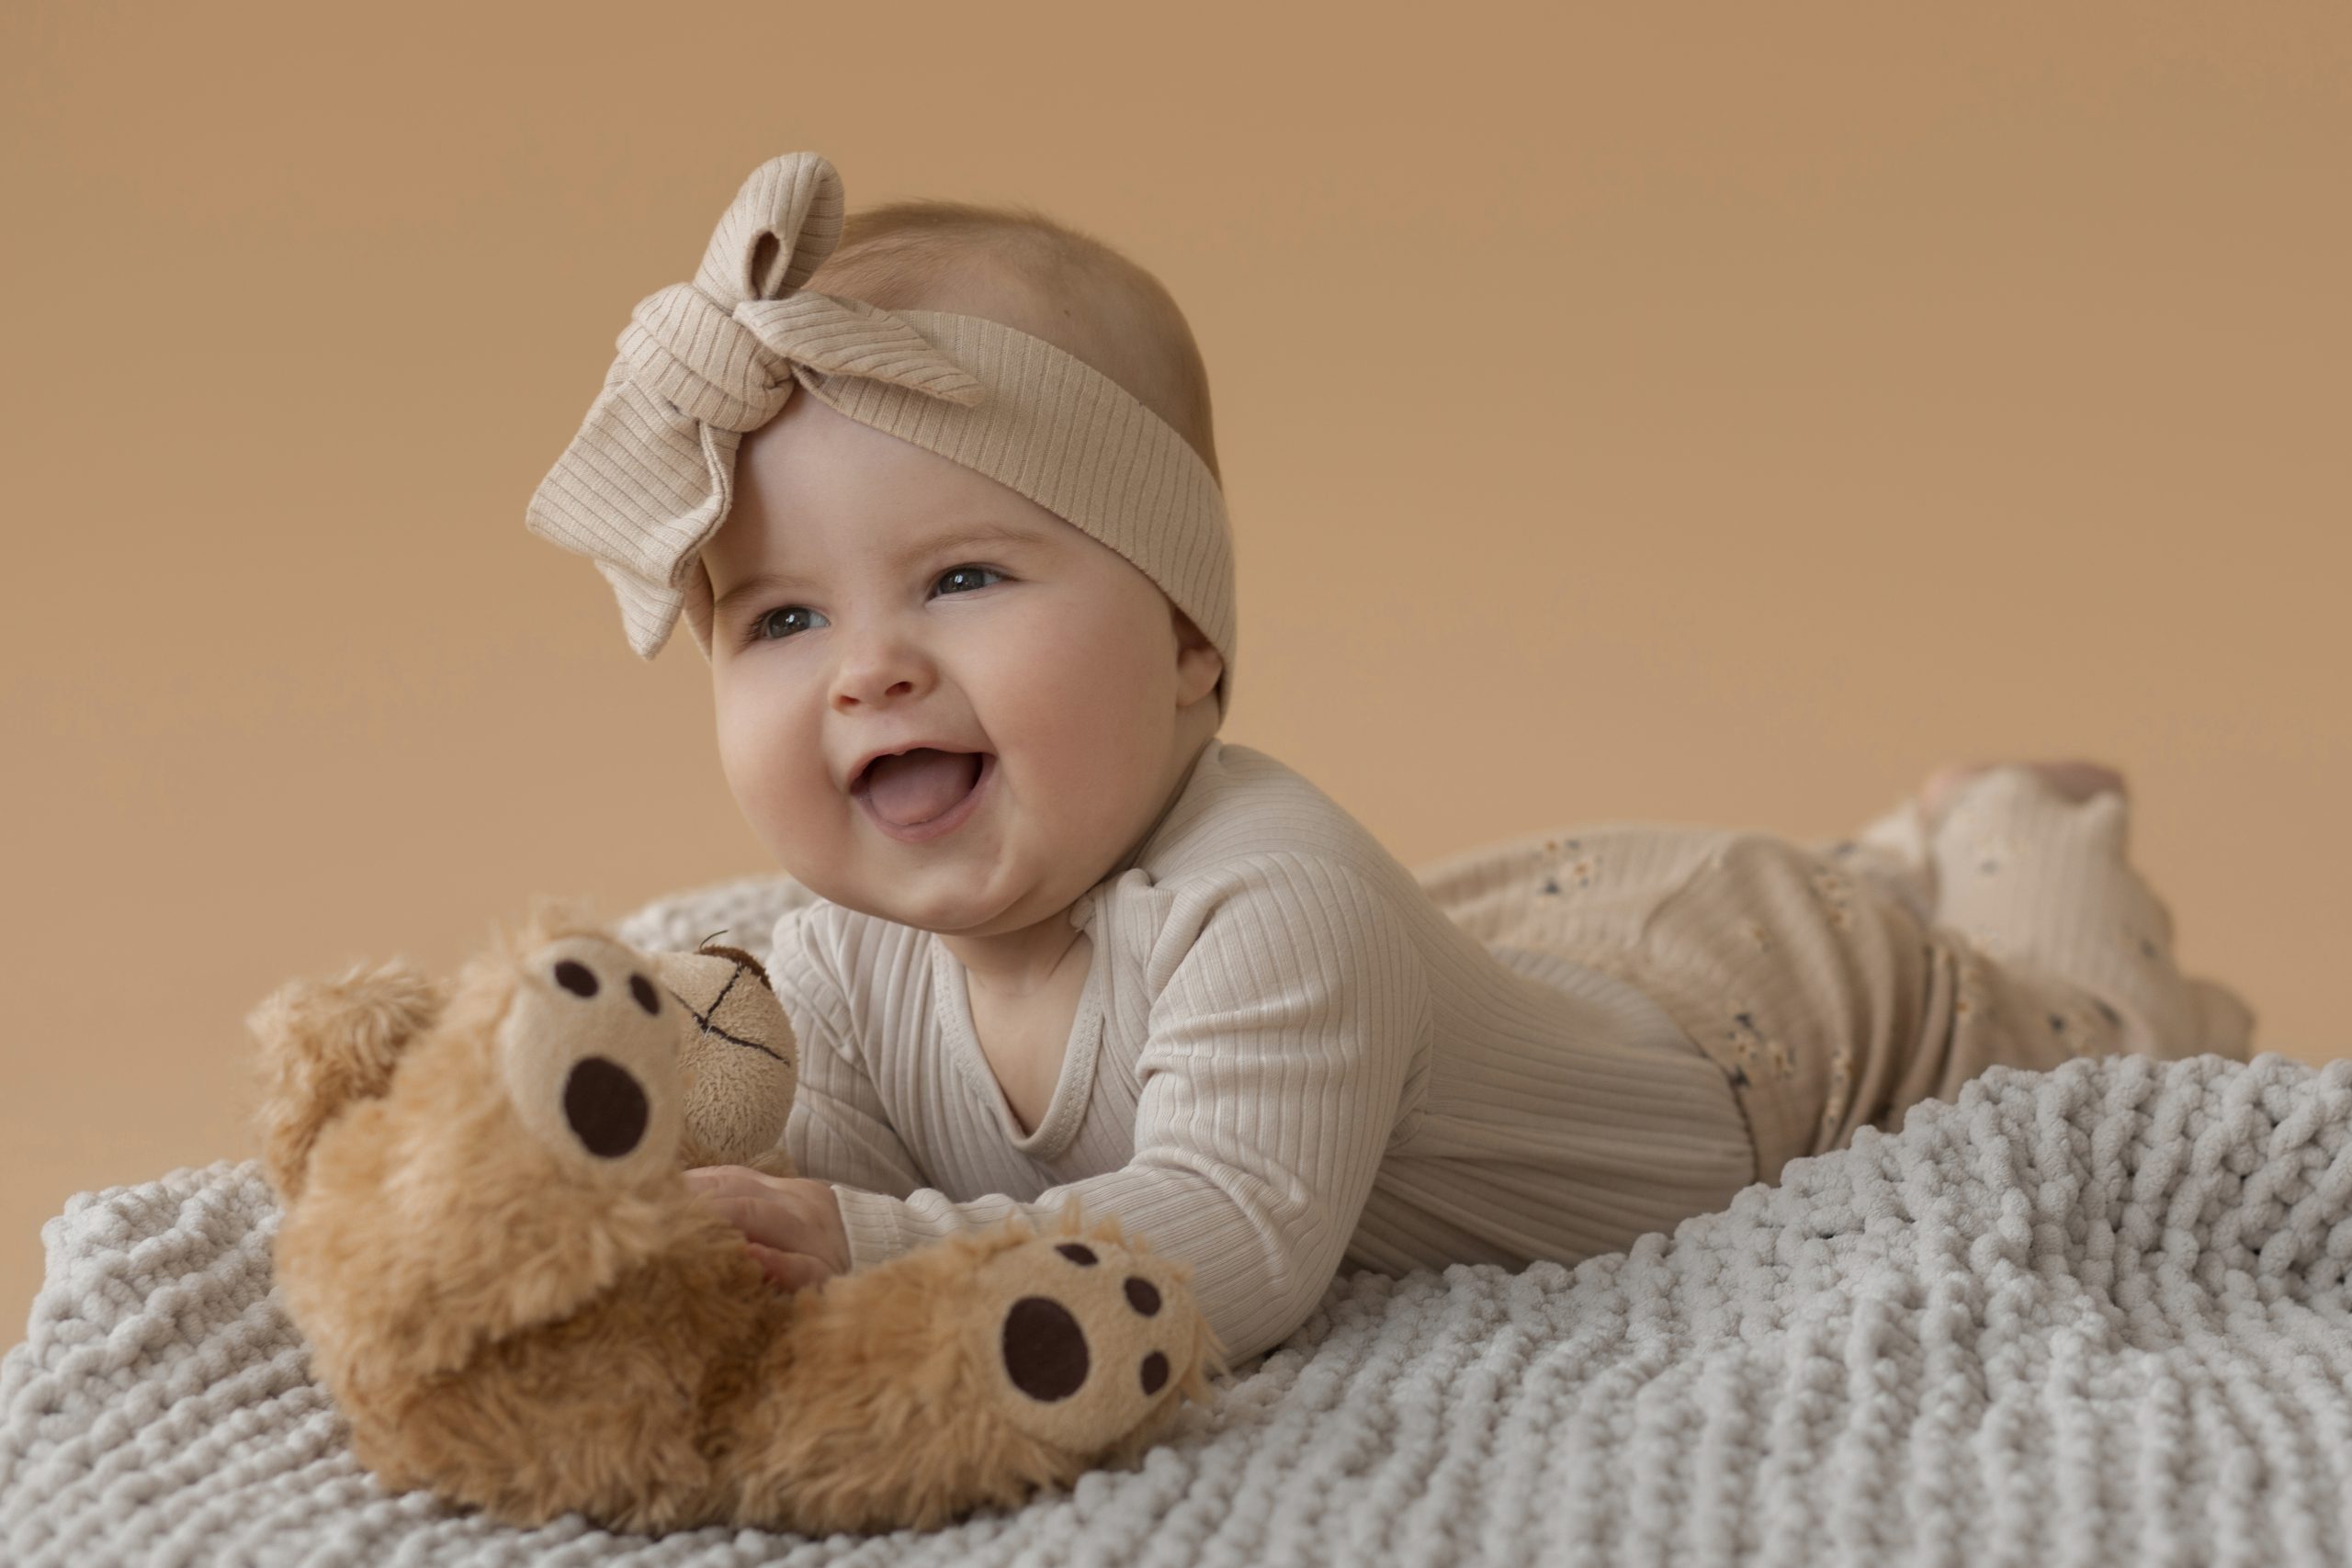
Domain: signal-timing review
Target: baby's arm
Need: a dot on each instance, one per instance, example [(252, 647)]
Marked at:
[(838, 1130), (1288, 1007)]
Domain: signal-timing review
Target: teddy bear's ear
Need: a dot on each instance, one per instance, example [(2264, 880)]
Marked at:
[(327, 1044)]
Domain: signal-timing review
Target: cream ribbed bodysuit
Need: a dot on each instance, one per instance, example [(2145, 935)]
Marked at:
[(1286, 1055), (1289, 1058)]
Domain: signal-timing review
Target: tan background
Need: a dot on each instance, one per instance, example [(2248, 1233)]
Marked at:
[(1714, 416)]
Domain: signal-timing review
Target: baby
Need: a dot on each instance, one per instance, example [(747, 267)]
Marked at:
[(968, 605)]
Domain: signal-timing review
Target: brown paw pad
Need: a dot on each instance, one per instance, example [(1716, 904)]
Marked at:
[(587, 1051), (1045, 1348), (1089, 1336)]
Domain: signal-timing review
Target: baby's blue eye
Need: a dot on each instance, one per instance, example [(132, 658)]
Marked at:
[(971, 571), (762, 621), (760, 625)]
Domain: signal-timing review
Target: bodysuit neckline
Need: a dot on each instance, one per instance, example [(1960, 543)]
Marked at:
[(1073, 1085)]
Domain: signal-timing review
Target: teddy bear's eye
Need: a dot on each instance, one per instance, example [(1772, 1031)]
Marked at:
[(576, 977), (642, 990)]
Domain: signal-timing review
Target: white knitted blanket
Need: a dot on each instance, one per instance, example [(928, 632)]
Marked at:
[(2091, 1317)]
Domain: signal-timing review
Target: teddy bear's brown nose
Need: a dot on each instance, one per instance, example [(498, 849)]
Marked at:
[(607, 1107)]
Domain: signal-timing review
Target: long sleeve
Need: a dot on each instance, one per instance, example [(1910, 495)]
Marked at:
[(838, 1131), (1289, 1009)]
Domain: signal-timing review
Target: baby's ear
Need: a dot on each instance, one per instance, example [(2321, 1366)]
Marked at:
[(326, 1043), (738, 1062), (1198, 663)]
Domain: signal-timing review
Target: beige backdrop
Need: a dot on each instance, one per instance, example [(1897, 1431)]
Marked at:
[(1712, 415)]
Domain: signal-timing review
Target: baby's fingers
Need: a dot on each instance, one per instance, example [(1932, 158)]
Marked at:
[(759, 1220), (744, 1198), (793, 1271), (727, 1181)]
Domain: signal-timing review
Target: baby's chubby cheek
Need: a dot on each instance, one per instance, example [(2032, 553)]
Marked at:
[(784, 794)]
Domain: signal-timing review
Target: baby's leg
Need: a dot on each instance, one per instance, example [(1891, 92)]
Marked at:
[(2046, 943), (1891, 856)]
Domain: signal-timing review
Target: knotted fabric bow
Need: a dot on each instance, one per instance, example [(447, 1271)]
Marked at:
[(650, 476)]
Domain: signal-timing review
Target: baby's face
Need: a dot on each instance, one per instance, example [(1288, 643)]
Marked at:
[(853, 613)]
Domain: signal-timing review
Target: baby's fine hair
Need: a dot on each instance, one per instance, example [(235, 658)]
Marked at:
[(1092, 300)]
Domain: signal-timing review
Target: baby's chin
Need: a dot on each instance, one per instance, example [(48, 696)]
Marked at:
[(948, 913)]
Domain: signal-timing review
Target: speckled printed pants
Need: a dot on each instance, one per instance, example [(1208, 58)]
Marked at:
[(1837, 984)]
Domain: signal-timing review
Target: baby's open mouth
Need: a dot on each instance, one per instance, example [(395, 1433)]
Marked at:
[(914, 786)]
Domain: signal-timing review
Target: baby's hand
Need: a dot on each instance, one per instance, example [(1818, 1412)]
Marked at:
[(792, 1224)]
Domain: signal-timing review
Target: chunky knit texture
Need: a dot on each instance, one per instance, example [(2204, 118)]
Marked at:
[(2091, 1317)]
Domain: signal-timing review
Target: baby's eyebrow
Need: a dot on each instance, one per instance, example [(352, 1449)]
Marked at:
[(954, 538)]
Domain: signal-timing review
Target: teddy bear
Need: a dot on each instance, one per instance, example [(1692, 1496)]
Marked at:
[(516, 1301)]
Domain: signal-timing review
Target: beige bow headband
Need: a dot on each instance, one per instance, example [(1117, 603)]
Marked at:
[(649, 477)]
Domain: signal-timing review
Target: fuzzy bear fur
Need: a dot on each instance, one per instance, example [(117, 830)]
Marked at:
[(515, 1309)]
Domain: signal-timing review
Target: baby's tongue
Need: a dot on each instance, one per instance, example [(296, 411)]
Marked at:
[(921, 784)]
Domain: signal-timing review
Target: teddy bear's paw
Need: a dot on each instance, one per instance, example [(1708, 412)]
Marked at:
[(588, 1053), (326, 1043), (1085, 1338)]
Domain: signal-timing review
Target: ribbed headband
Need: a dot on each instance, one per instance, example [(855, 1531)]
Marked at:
[(649, 477)]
